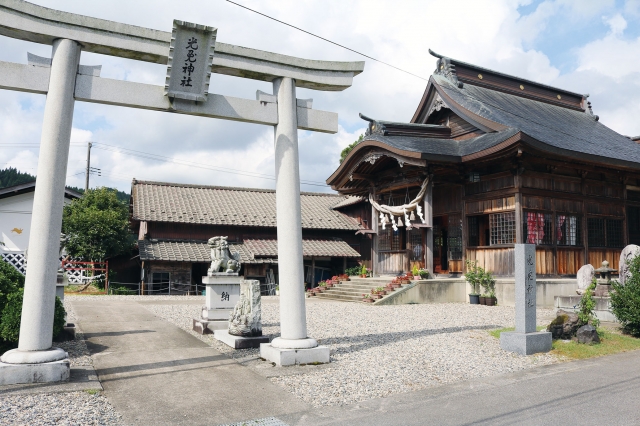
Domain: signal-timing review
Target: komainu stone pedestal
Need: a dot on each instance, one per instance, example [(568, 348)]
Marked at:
[(222, 294), (239, 342), (525, 340), (284, 357)]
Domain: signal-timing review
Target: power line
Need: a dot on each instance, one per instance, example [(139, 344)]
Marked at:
[(329, 41), (156, 157), (162, 158)]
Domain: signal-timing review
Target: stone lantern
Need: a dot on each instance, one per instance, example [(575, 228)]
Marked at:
[(604, 282)]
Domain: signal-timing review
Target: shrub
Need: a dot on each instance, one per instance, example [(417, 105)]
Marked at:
[(10, 281), (352, 271), (587, 303), (12, 312), (625, 299)]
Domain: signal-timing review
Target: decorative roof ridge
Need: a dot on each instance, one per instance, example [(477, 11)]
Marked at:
[(227, 188), (452, 62), (393, 128)]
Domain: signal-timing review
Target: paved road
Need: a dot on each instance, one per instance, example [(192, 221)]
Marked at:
[(154, 373), (601, 391)]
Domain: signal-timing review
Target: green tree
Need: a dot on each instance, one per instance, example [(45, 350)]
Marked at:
[(348, 149), (96, 226)]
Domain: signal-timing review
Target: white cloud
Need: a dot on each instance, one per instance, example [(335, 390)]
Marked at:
[(496, 37)]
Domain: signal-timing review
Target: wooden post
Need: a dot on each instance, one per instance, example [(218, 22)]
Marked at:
[(313, 272), (519, 216), (374, 237), (428, 217)]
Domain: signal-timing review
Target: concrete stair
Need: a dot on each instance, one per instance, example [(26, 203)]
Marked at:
[(352, 291)]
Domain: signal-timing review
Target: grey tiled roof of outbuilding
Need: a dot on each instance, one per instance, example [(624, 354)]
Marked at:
[(191, 251), (217, 205), (251, 251), (331, 248)]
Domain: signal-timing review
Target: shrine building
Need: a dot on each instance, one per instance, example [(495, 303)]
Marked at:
[(503, 160)]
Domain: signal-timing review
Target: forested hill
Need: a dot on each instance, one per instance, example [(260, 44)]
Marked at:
[(11, 176)]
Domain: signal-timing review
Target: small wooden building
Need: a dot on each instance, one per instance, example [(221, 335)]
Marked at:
[(174, 222), (508, 161)]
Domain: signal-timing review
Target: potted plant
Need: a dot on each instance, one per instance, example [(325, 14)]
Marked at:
[(367, 298), (363, 271), (483, 299), (473, 278), (491, 299), (277, 290), (310, 292), (423, 273), (488, 283)]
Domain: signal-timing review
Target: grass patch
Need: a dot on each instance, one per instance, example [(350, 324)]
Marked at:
[(496, 333), (92, 391), (611, 342)]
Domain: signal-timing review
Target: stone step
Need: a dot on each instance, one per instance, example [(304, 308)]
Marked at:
[(338, 297)]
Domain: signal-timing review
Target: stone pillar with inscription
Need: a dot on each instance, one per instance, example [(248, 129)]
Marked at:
[(525, 340)]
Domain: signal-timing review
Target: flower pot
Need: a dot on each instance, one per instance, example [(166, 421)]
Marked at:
[(367, 300), (474, 299), (363, 275), (483, 300), (491, 301), (376, 296)]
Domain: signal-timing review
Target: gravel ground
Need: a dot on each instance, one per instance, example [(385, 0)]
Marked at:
[(377, 351), (77, 349), (62, 408), (72, 408)]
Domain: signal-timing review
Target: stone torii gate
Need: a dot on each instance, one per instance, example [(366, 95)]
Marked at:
[(64, 81)]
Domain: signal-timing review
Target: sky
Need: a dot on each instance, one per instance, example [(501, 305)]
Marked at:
[(583, 46)]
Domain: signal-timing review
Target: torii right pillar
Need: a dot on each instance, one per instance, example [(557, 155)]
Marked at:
[(293, 346)]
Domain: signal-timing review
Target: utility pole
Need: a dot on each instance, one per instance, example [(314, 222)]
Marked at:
[(86, 181)]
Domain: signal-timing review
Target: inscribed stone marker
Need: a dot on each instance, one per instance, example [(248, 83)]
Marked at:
[(190, 60), (525, 340)]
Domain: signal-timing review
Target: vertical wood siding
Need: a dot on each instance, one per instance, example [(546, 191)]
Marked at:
[(392, 262), (596, 256), (499, 261)]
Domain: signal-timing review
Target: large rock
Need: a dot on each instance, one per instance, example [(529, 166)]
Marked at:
[(628, 253), (564, 326), (588, 334), (584, 277), (246, 318)]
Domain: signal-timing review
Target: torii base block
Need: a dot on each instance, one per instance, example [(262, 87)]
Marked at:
[(284, 357), (46, 372)]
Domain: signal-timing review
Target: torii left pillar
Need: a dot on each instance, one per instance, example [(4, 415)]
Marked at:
[(36, 360)]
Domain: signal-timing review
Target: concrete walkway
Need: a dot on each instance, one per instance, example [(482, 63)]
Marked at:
[(155, 373)]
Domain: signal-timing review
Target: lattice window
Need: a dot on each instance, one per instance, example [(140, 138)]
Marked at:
[(502, 228), (415, 241), (454, 241), (614, 233), (384, 239), (568, 230), (538, 228), (16, 260), (473, 223), (595, 232)]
